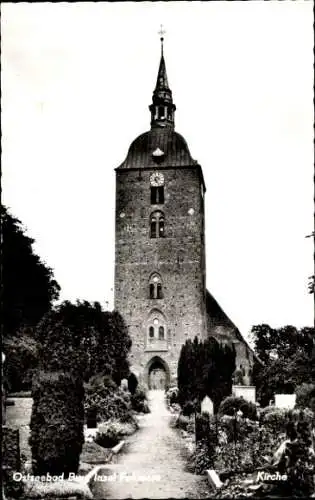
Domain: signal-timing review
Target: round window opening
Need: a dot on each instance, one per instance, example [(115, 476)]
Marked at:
[(156, 321)]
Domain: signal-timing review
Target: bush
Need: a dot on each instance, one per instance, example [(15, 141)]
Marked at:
[(56, 423), (232, 404), (21, 361), (110, 433), (278, 418), (108, 401), (305, 396), (200, 460), (235, 429), (188, 408), (139, 401), (299, 461), (182, 422), (202, 426), (132, 383)]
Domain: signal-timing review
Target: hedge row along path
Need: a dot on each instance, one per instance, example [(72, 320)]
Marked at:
[(153, 462)]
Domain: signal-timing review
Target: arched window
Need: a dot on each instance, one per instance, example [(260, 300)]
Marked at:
[(153, 227), (155, 287), (157, 195), (156, 328), (157, 225), (161, 226), (161, 333)]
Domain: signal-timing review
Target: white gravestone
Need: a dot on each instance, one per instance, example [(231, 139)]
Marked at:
[(207, 405), (285, 401), (124, 384), (248, 392)]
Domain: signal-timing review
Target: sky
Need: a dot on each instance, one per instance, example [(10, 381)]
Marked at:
[(77, 79)]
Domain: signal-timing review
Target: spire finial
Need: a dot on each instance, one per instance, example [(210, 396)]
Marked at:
[(161, 33)]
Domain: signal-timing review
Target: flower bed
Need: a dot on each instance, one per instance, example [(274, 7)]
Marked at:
[(235, 446)]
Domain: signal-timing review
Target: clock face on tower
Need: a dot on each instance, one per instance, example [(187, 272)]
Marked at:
[(157, 179)]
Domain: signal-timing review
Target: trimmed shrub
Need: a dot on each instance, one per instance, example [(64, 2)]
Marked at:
[(232, 404), (305, 396), (56, 423), (205, 368)]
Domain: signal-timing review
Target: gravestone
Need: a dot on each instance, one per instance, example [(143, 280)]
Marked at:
[(248, 392), (285, 401), (207, 405), (124, 384)]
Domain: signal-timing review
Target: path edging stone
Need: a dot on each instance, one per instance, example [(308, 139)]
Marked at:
[(213, 479), (118, 447)]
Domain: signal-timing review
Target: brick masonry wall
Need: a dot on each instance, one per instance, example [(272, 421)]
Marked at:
[(179, 258)]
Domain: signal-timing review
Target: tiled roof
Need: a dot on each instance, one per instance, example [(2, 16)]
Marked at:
[(219, 319), (172, 144)]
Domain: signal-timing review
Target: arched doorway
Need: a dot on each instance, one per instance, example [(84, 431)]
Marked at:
[(157, 374)]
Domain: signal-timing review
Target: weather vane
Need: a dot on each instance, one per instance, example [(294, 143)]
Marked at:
[(161, 33)]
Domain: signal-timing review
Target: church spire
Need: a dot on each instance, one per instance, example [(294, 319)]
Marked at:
[(162, 107)]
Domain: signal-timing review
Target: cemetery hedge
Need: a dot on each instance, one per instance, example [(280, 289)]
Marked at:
[(56, 423)]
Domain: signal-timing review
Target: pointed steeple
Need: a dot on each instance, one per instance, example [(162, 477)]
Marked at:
[(162, 107)]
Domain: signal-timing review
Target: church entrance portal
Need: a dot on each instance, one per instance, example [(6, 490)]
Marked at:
[(157, 375)]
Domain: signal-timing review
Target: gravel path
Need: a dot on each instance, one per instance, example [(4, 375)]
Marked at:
[(153, 462)]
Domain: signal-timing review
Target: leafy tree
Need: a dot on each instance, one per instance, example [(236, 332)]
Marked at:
[(21, 360), (288, 355), (28, 286), (83, 339)]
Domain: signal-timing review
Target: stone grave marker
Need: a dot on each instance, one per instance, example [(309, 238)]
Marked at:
[(207, 405)]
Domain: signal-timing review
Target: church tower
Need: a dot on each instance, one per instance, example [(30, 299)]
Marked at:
[(160, 287)]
